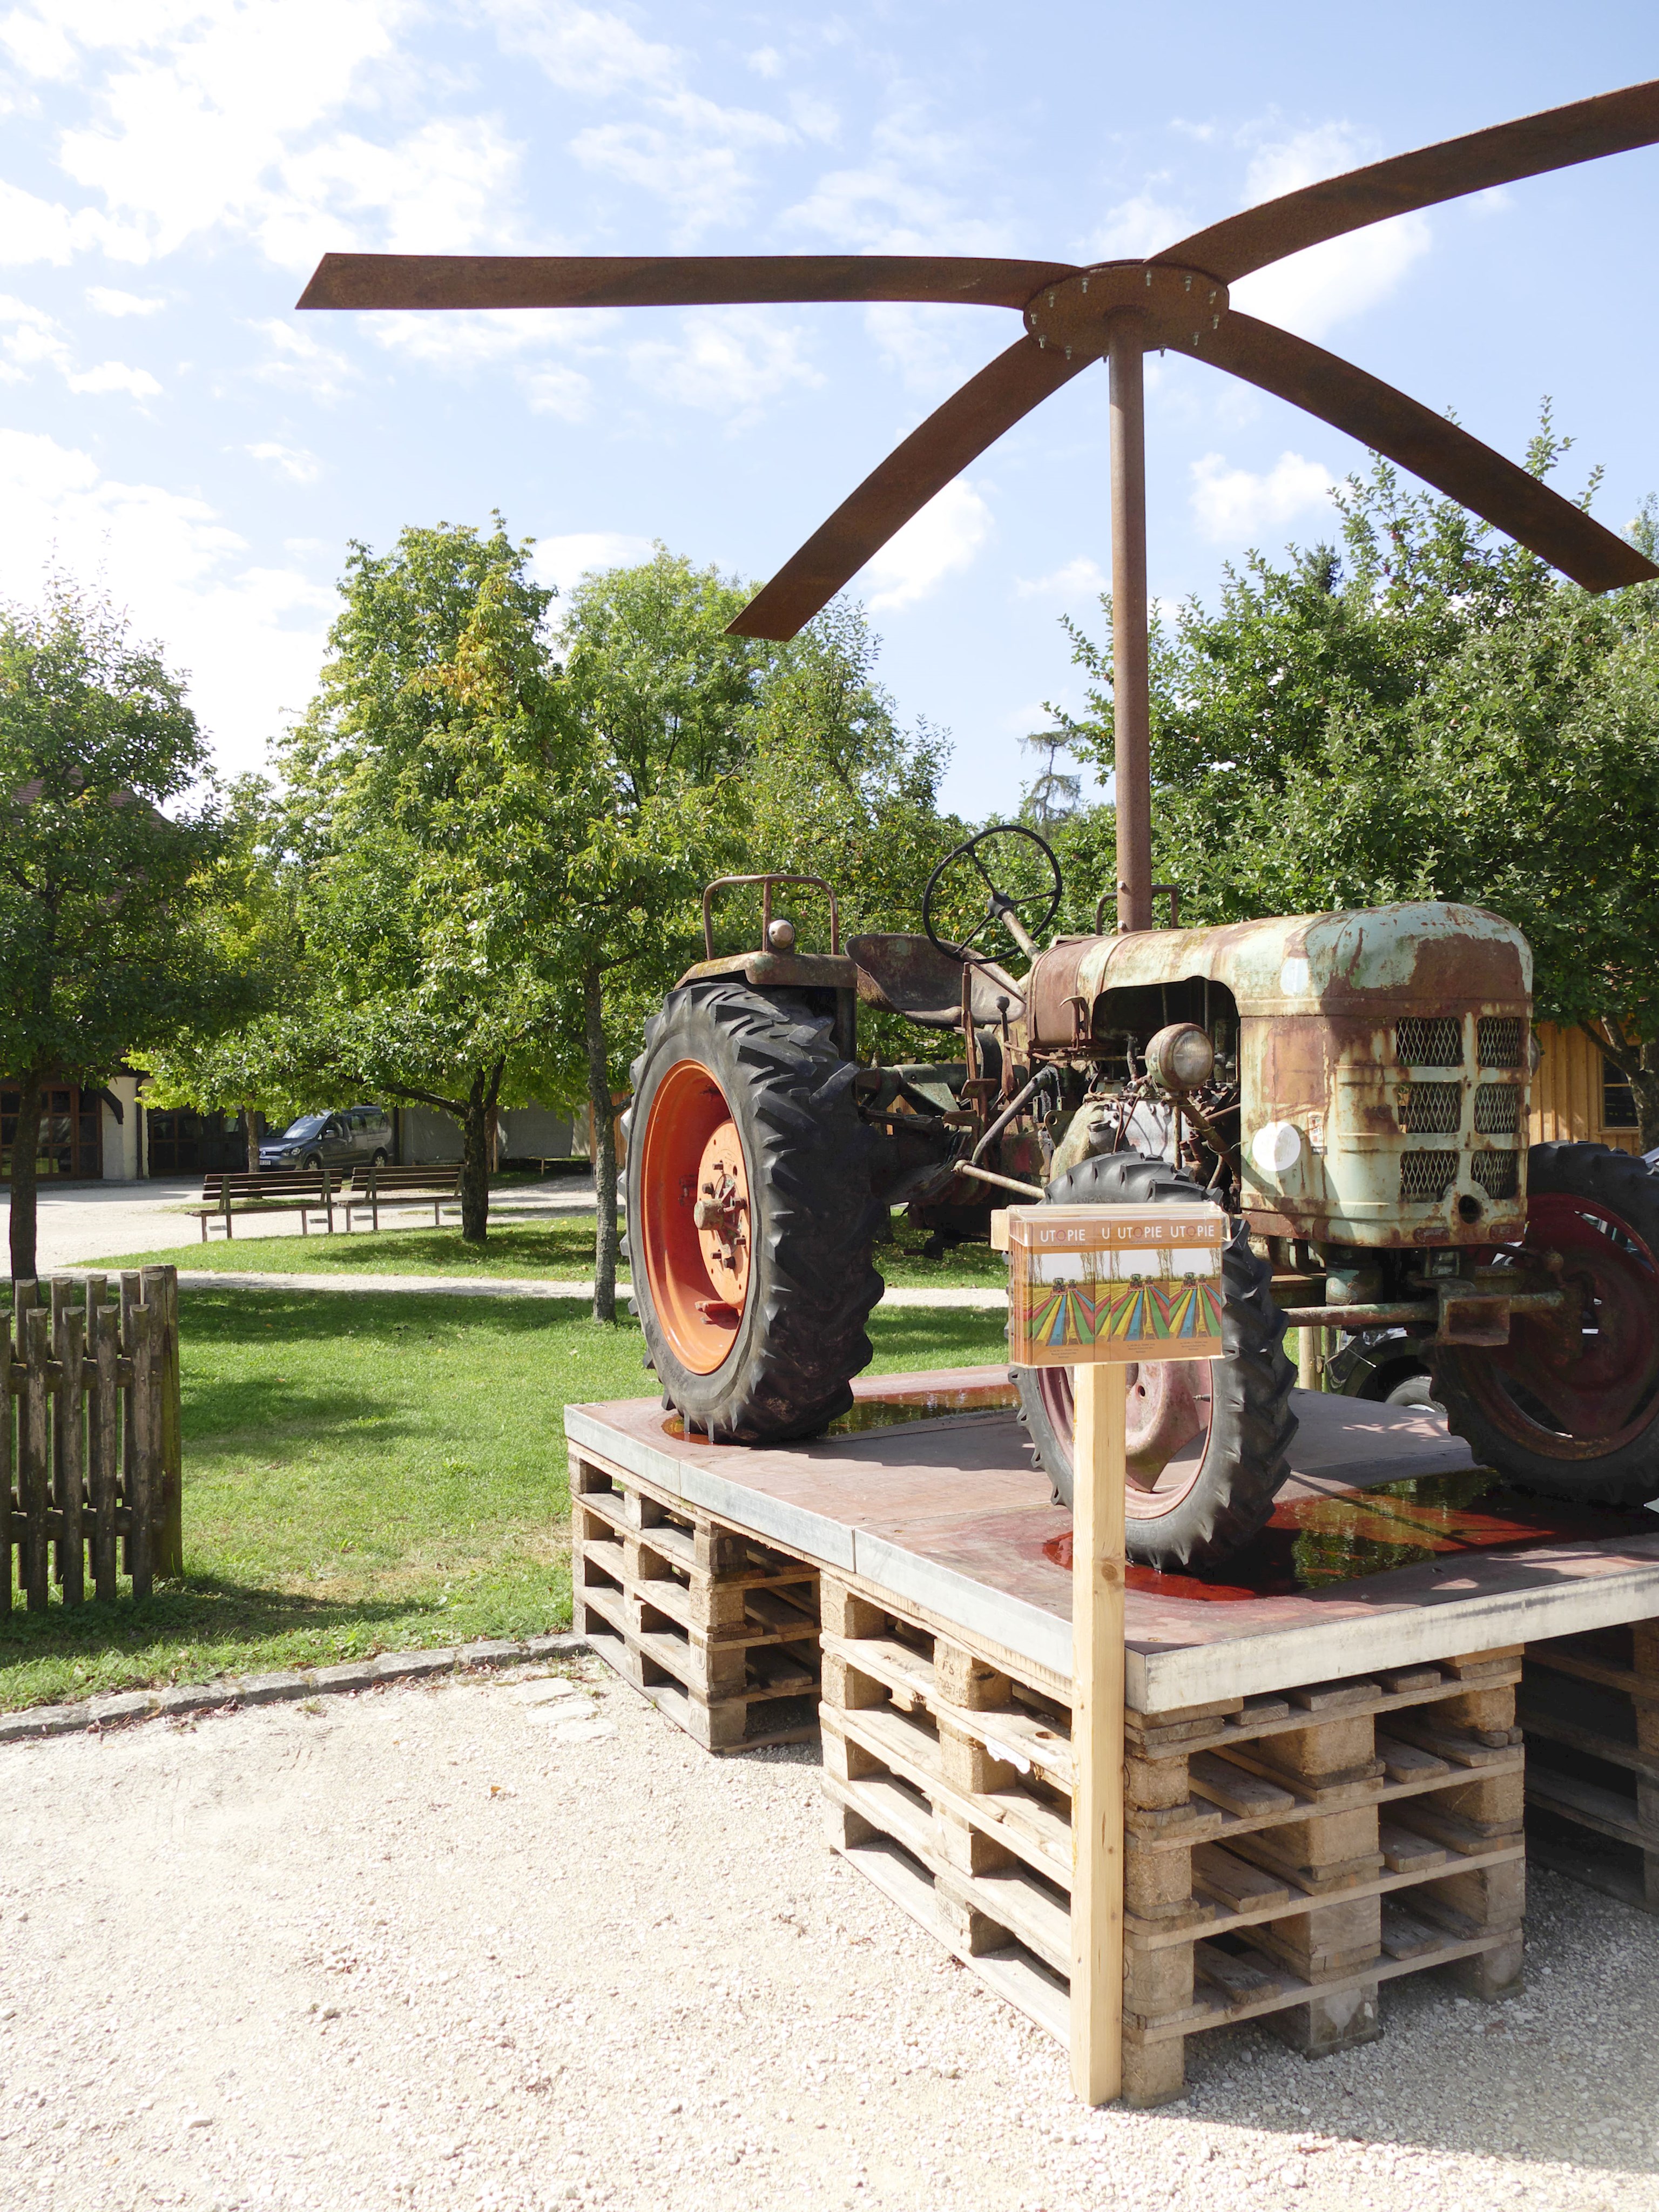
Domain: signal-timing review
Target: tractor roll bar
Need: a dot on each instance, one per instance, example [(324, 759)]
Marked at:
[(1171, 891), (727, 882)]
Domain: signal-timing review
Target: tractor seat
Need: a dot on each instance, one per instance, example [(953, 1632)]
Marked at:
[(910, 975)]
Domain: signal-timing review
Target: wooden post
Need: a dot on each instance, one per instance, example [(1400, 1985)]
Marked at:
[(161, 1294), (34, 1451), (142, 1434), (69, 1436), (104, 1438), (1097, 1568), (5, 1464), (131, 1291)]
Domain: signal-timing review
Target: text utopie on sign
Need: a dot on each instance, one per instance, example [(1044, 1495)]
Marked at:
[(1112, 1282)]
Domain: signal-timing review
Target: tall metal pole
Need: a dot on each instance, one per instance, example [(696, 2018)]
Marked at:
[(1131, 718)]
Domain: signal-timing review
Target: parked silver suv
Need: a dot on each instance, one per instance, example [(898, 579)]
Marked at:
[(354, 1136)]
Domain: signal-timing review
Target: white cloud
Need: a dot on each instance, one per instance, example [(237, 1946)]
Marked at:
[(296, 358), (444, 188), (766, 61), (563, 561), (728, 359), (1139, 226), (1081, 579), (205, 114), (104, 301), (114, 376), (293, 462), (1229, 505), (33, 229), (458, 344), (932, 349), (35, 338), (565, 392), (694, 159), (943, 538), (252, 638), (1310, 292), (582, 49)]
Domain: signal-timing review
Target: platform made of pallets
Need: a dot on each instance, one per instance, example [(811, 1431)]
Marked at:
[(1326, 1787)]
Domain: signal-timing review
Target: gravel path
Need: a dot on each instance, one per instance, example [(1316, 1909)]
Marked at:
[(513, 1947)]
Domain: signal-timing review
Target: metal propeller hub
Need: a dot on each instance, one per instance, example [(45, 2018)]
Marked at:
[(1182, 308)]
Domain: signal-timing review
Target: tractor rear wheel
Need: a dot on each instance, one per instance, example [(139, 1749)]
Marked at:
[(749, 1214), (1571, 1419), (1207, 1437)]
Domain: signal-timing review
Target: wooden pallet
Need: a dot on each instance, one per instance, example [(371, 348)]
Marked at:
[(1589, 1707), (719, 1631), (1283, 1856)]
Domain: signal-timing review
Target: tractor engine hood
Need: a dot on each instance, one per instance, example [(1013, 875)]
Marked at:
[(1377, 963), (1381, 1059)]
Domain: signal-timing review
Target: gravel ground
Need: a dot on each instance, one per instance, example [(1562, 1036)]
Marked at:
[(505, 1944)]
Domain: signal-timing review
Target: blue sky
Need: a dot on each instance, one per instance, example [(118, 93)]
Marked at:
[(172, 168)]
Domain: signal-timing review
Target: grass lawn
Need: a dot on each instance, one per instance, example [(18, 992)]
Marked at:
[(562, 1250), (370, 1475)]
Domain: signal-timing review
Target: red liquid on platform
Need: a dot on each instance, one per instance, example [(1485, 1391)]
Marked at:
[(1312, 1543)]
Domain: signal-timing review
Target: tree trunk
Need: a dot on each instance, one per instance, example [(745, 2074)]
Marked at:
[(604, 1147), (475, 1162), (25, 1144), (252, 1140)]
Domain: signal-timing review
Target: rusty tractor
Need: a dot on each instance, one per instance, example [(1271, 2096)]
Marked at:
[(1352, 1088)]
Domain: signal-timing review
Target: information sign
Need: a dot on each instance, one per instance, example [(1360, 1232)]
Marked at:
[(1090, 1283)]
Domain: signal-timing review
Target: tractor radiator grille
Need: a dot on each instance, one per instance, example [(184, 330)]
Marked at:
[(1426, 1177), (1497, 1110), (1431, 1109), (1499, 1040), (1429, 1041), (1498, 1174)]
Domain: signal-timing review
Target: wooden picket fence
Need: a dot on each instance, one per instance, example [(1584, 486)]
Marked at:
[(90, 1454)]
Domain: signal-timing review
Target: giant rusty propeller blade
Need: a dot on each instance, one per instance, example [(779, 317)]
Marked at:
[(510, 280), (1611, 122), (1403, 430), (939, 449)]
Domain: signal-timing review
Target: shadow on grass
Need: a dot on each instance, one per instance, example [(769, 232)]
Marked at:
[(204, 1609)]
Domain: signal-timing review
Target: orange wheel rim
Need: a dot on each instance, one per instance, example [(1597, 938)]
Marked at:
[(694, 1194)]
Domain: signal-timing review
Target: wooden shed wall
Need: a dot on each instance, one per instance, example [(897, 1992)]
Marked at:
[(1567, 1093)]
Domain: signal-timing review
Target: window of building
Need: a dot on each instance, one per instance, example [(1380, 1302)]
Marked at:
[(1618, 1099), (70, 1136)]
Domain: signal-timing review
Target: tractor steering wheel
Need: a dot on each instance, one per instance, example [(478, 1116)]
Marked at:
[(1035, 877)]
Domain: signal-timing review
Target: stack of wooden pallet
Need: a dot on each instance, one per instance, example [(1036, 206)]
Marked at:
[(1591, 1708), (1283, 1854), (717, 1629)]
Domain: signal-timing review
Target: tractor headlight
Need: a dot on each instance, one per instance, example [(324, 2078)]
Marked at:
[(1180, 1058)]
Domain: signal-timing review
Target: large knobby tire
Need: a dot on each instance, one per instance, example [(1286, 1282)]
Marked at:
[(1211, 1434), (1579, 1423), (754, 1315)]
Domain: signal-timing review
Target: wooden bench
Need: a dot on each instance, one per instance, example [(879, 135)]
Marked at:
[(302, 1190), (374, 1187)]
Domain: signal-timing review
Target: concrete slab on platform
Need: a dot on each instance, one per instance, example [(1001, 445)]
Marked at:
[(945, 1513)]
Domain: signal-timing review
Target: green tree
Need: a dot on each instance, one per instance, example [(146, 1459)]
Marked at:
[(1426, 712), (657, 703), (427, 828), (106, 899), (250, 921)]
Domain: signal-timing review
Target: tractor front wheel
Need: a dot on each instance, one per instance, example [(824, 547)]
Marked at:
[(1573, 1414), (749, 1214), (1208, 1438)]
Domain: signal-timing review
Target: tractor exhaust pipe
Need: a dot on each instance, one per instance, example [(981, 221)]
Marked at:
[(1131, 705)]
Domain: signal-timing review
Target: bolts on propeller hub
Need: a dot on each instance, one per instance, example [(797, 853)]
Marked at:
[(1179, 307)]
